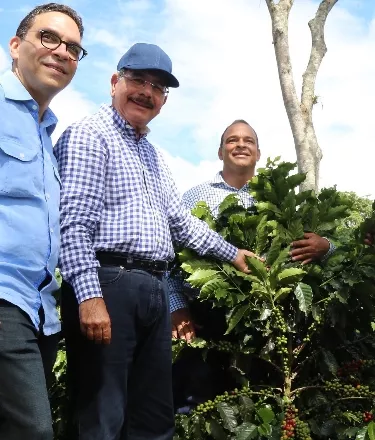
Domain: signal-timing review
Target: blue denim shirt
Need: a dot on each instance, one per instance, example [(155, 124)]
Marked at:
[(29, 204)]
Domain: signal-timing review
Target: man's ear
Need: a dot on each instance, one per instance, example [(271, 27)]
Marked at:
[(220, 153), (14, 45), (114, 81), (258, 154)]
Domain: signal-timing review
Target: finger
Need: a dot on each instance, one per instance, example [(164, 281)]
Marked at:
[(300, 251), (174, 332), (309, 260), (251, 254), (303, 256), (181, 331), (309, 234), (189, 333), (300, 243), (98, 334), (107, 334), (89, 333)]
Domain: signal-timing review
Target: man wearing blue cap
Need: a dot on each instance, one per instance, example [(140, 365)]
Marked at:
[(120, 214)]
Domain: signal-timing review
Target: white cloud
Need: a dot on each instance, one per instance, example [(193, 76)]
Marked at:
[(70, 106), (186, 174)]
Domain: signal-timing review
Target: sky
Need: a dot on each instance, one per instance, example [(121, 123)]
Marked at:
[(223, 56)]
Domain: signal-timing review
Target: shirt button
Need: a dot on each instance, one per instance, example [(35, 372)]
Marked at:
[(48, 196), (51, 230), (22, 155), (34, 107)]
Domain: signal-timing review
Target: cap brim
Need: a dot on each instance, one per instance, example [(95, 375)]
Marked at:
[(172, 81)]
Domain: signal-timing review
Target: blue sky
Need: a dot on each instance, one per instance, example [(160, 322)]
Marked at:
[(222, 54)]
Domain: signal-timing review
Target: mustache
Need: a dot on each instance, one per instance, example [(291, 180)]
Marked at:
[(142, 101)]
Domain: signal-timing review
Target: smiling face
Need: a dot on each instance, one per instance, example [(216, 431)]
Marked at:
[(45, 72), (239, 150), (137, 104)]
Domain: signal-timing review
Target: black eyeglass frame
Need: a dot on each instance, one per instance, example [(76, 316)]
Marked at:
[(43, 32), (141, 82)]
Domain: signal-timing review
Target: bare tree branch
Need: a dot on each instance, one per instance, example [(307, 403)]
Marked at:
[(279, 16), (318, 50), (299, 112)]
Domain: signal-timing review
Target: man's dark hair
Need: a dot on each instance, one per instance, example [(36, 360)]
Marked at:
[(238, 121), (28, 21)]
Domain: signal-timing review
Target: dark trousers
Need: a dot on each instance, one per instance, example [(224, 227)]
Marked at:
[(26, 362), (122, 391), (196, 380)]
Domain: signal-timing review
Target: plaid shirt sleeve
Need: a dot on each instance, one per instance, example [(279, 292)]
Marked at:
[(178, 289), (193, 233), (82, 163), (177, 298)]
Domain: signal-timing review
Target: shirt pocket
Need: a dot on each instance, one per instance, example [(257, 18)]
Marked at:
[(20, 170)]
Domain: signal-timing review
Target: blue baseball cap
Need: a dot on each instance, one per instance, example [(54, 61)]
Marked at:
[(143, 56)]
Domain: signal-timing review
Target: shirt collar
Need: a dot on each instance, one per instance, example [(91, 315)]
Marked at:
[(14, 90), (218, 180), (122, 125)]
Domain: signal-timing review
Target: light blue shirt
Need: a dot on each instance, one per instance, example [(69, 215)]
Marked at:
[(29, 204)]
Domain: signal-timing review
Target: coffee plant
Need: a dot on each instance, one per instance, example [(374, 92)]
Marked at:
[(302, 336)]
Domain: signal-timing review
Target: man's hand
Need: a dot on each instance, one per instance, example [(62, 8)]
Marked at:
[(312, 247), (240, 262), (95, 321), (182, 325)]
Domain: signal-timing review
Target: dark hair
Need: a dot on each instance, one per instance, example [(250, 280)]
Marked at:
[(238, 121), (28, 21)]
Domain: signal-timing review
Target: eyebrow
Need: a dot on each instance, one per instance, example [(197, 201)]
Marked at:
[(235, 136)]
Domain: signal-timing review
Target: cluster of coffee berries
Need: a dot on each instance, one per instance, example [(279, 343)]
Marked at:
[(367, 417), (294, 428), (224, 346), (348, 390), (302, 430), (228, 397), (281, 344), (312, 328), (281, 340), (278, 320)]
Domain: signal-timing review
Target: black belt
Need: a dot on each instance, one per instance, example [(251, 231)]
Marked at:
[(128, 262)]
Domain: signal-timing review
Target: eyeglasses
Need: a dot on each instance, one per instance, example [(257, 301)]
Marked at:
[(52, 41), (141, 83)]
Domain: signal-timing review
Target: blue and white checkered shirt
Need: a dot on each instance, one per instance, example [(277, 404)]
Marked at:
[(118, 195), (213, 193)]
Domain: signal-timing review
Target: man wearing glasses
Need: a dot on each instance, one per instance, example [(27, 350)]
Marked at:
[(45, 53), (120, 213)]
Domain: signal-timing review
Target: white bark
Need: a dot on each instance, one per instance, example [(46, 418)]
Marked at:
[(299, 112)]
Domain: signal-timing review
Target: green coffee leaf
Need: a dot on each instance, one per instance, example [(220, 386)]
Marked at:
[(228, 416), (290, 276), (303, 293), (237, 314)]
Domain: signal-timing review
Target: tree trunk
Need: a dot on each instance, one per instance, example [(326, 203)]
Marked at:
[(299, 112)]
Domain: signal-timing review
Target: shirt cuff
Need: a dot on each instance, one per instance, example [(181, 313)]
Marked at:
[(87, 286), (330, 251), (177, 301), (225, 251)]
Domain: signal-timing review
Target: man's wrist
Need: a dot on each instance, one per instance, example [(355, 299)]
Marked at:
[(330, 251)]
